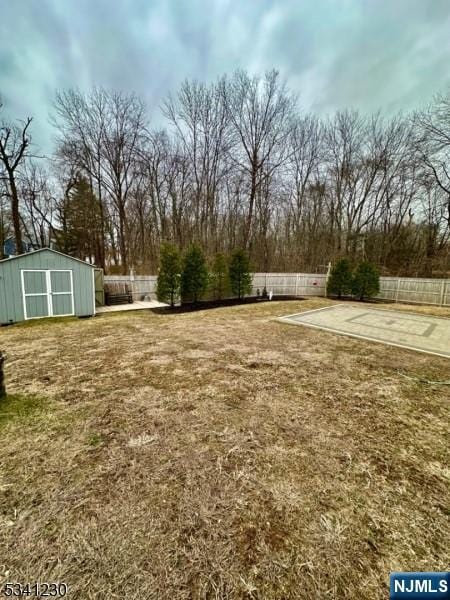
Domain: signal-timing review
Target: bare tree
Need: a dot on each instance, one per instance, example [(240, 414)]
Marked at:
[(199, 119), (14, 151), (100, 133), (433, 143), (80, 121), (39, 205), (260, 111)]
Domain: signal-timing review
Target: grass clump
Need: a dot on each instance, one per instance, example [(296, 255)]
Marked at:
[(95, 440), (16, 407)]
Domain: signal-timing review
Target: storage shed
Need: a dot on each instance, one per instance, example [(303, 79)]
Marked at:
[(45, 283)]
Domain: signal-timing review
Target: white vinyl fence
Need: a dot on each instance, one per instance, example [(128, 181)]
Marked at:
[(290, 284), (394, 289), (420, 291)]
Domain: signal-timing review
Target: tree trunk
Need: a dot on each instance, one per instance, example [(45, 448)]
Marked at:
[(15, 214), (122, 240), (249, 220)]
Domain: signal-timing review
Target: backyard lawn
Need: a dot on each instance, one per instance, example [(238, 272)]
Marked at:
[(220, 454)]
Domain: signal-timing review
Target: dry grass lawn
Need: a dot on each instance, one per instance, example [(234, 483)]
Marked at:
[(220, 454)]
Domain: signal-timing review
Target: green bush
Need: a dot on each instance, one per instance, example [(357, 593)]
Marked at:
[(239, 274), (366, 281), (341, 279), (168, 284), (219, 281), (194, 276)]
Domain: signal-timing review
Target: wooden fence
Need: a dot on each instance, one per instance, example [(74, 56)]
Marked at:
[(394, 289)]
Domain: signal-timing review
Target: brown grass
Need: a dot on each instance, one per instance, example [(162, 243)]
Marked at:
[(220, 454)]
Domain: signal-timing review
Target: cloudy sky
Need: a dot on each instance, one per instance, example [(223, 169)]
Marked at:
[(368, 54)]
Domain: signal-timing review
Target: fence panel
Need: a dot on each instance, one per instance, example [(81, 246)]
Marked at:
[(446, 294), (420, 291), (311, 284), (426, 292), (389, 287), (290, 284), (281, 284)]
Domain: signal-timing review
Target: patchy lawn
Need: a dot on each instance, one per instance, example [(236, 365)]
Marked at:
[(220, 454)]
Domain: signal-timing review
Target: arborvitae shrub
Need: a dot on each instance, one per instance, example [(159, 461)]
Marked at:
[(341, 279), (168, 284), (366, 281), (219, 281), (239, 274), (194, 276)]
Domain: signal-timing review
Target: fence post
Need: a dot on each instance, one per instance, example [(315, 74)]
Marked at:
[(441, 303), (398, 289), (326, 278), (132, 284), (296, 284)]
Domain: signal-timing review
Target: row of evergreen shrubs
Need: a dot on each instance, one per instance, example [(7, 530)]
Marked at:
[(190, 278), (362, 282)]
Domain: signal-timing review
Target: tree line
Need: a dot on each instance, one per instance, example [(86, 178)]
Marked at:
[(237, 165)]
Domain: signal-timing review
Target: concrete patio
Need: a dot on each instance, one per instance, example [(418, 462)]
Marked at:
[(424, 333)]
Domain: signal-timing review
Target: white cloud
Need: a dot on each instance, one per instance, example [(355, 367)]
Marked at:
[(376, 54)]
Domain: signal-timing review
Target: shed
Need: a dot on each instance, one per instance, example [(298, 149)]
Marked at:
[(45, 283)]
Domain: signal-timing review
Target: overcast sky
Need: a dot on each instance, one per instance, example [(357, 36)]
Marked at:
[(368, 54)]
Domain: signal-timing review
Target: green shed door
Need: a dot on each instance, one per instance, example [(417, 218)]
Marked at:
[(62, 293), (47, 293), (35, 294)]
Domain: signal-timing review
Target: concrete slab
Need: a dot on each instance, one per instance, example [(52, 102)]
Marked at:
[(138, 305), (423, 333)]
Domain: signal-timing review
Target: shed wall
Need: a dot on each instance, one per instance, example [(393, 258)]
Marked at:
[(11, 302)]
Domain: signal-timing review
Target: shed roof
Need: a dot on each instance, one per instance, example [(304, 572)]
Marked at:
[(47, 250)]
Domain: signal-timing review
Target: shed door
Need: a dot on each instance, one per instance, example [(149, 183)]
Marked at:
[(61, 286), (35, 294), (47, 293)]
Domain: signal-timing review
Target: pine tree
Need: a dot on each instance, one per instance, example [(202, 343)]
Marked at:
[(340, 281), (80, 216), (194, 276), (219, 281), (168, 284), (366, 281), (239, 274)]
